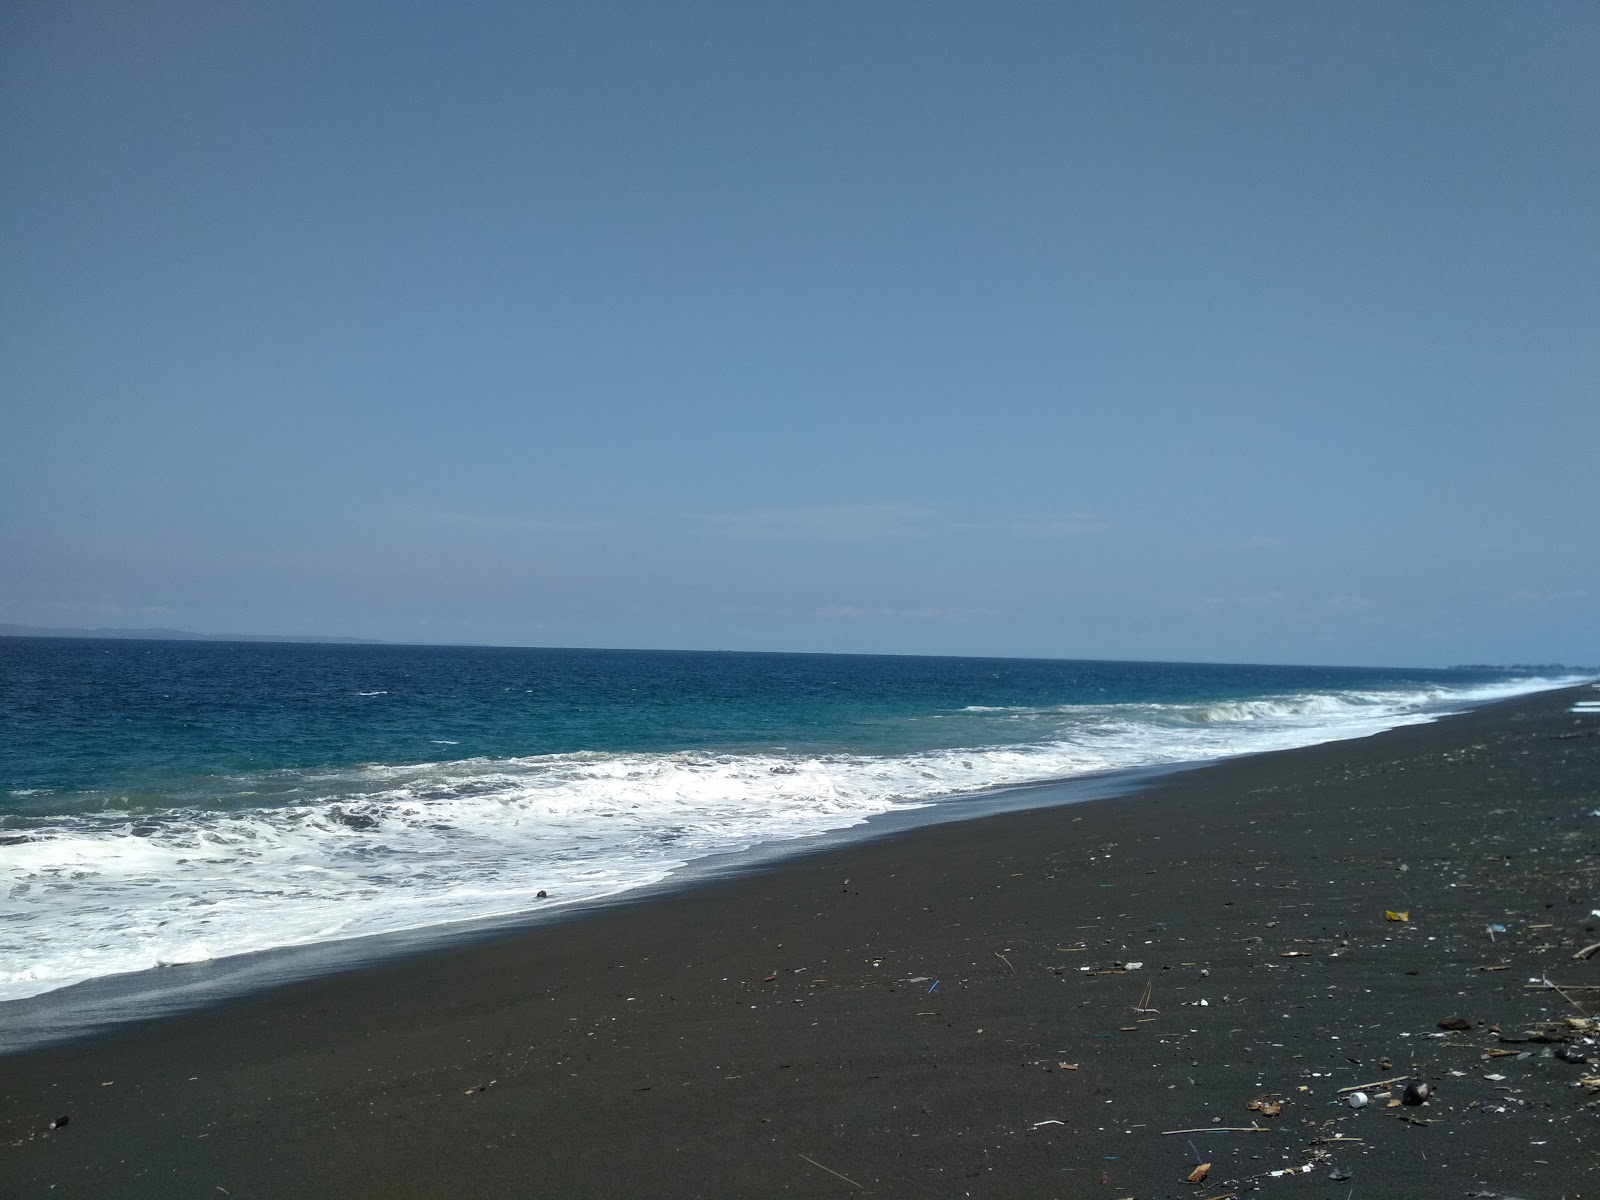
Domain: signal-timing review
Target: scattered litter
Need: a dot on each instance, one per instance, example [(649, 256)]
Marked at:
[(1266, 1107), (1042, 1124), (1390, 915), (60, 1122), (1338, 1175), (1495, 1078), (933, 985), (1416, 1093), (1358, 1099), (1199, 1173), (1455, 1022)]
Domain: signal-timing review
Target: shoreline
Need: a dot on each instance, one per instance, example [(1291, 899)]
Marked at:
[(102, 1002), (721, 1038), (106, 1003)]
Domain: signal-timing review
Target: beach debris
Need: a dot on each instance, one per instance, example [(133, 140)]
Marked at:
[(1267, 1107), (482, 1087), (1199, 1173), (1416, 1093), (1005, 960), (1495, 1078), (1586, 952), (1390, 915), (1042, 1124), (1220, 1129), (1379, 1083), (1358, 1099), (1571, 1054), (1338, 1175), (831, 1171), (933, 985), (1143, 1006), (1303, 1169), (60, 1122), (1066, 1066), (1455, 1022), (541, 894)]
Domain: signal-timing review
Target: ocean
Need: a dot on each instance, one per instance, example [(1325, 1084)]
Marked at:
[(185, 802)]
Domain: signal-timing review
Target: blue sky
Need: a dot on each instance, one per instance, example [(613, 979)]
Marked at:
[(1250, 332)]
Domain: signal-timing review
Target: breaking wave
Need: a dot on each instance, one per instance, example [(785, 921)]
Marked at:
[(93, 890)]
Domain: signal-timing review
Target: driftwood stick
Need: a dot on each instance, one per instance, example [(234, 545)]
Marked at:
[(1562, 993), (1219, 1129), (1544, 985), (1361, 1087), (1586, 952), (831, 1171)]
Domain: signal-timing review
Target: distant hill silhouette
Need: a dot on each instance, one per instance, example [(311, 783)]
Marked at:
[(172, 635)]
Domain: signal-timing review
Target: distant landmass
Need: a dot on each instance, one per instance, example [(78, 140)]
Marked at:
[(173, 635), (1520, 667)]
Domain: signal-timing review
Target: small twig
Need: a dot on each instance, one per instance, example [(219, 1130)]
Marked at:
[(1586, 952), (831, 1171), (1569, 999), (1544, 985), (1357, 1087), (1144, 999), (1219, 1129), (1005, 960)]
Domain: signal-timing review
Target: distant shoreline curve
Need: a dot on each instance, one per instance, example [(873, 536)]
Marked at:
[(176, 635)]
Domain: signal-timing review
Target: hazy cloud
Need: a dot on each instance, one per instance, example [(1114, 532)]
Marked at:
[(821, 523), (852, 612), (499, 522), (1057, 525)]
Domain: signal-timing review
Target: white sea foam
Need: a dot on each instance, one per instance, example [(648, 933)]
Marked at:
[(384, 848)]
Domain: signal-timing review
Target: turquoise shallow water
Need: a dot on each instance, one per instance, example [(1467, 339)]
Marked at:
[(165, 802)]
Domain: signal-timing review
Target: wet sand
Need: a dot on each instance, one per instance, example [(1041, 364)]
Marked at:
[(950, 1011)]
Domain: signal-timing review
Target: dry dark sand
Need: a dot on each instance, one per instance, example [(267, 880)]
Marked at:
[(777, 1033)]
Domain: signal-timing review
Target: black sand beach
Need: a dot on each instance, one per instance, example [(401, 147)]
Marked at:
[(952, 1011)]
